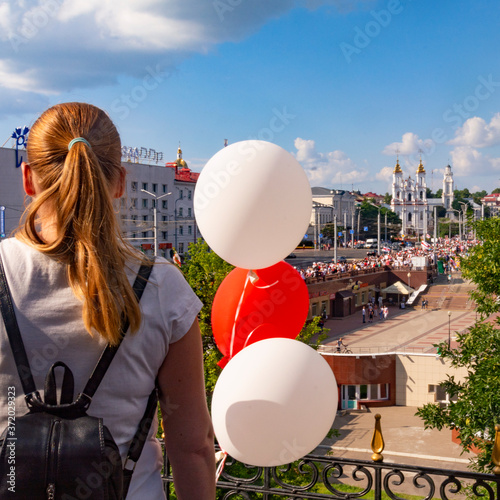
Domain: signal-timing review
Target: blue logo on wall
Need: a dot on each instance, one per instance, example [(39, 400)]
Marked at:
[(20, 135)]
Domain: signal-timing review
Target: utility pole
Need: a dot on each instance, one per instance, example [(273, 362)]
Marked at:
[(335, 239), (378, 232), (155, 225), (352, 229)]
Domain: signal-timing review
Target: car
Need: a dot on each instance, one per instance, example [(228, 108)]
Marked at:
[(291, 256), (342, 259), (371, 253)]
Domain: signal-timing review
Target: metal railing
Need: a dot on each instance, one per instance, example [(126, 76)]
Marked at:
[(322, 477), (327, 477)]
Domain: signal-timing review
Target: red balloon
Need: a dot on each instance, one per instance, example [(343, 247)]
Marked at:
[(255, 305)]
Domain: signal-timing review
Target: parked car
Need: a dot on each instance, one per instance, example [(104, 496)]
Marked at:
[(292, 256), (371, 253), (342, 259)]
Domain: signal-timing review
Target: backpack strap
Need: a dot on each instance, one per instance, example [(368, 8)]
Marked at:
[(109, 352), (32, 396), (15, 339)]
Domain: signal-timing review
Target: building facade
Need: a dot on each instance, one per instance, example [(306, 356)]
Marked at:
[(409, 200), (156, 211)]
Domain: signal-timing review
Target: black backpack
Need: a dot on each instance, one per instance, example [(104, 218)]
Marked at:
[(56, 450)]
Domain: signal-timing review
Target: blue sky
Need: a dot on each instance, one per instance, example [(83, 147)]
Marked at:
[(341, 84)]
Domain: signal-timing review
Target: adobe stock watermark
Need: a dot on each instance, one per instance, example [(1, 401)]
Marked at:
[(33, 21), (364, 36), (248, 150), (222, 7), (455, 116), (153, 78)]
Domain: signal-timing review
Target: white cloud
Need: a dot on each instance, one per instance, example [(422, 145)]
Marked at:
[(333, 169), (476, 133), (468, 161), (60, 45), (410, 144)]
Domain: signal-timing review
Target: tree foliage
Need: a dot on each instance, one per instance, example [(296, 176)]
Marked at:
[(476, 410), (204, 270)]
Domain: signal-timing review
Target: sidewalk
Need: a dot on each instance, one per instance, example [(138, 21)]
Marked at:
[(406, 440), (410, 330)]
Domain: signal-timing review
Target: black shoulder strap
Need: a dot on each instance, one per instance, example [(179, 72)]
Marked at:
[(17, 345), (15, 339), (109, 352)]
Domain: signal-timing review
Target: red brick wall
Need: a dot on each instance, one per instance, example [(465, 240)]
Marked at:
[(354, 370)]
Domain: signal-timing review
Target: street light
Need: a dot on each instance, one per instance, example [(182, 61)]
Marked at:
[(409, 277), (155, 227), (449, 329), (464, 215)]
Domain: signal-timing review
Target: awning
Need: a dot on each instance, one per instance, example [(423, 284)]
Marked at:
[(399, 287), (344, 294)]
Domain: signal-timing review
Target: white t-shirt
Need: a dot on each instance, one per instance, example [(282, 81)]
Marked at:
[(50, 321)]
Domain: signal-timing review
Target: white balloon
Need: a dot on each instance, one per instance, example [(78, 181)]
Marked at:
[(253, 204), (274, 402)]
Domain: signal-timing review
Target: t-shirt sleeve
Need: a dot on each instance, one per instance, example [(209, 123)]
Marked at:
[(179, 305)]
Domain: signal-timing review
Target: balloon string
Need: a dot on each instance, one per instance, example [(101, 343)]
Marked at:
[(233, 333), (248, 338), (222, 456), (254, 278)]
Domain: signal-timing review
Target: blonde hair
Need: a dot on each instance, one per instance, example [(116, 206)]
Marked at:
[(77, 187)]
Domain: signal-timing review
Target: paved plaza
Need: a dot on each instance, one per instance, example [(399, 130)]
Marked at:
[(405, 330)]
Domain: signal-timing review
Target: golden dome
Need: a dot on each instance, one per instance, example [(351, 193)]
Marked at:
[(397, 168), (420, 169)]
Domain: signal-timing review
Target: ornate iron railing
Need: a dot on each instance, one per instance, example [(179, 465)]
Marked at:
[(327, 477), (320, 477), (323, 477)]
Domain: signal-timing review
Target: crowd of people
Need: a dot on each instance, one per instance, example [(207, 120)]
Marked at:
[(448, 251)]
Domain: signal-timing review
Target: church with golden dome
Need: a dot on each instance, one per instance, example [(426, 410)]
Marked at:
[(409, 200)]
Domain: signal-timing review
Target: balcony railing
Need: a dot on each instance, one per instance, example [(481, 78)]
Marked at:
[(327, 477)]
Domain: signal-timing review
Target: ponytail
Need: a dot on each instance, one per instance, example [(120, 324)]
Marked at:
[(76, 203)]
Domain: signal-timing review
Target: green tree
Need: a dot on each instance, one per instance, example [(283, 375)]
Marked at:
[(476, 407), (387, 198), (204, 270)]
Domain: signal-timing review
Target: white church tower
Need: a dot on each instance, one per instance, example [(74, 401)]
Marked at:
[(409, 199), (447, 196)]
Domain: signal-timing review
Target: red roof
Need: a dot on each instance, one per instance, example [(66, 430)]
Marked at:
[(183, 174)]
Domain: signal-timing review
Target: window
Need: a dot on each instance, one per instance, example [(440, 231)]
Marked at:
[(144, 203), (314, 309), (133, 185), (133, 202), (123, 202), (181, 194), (164, 204), (409, 196), (145, 186), (164, 235), (190, 229), (181, 247), (421, 195), (189, 195), (409, 216), (145, 217), (189, 212), (165, 188), (179, 213), (397, 194), (164, 218), (155, 188), (181, 230)]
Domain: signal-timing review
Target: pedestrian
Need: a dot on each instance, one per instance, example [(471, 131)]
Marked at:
[(69, 271), (386, 312), (380, 312), (364, 314), (370, 320)]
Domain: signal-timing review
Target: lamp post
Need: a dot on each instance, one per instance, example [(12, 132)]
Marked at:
[(464, 215), (449, 329), (155, 226), (409, 279)]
